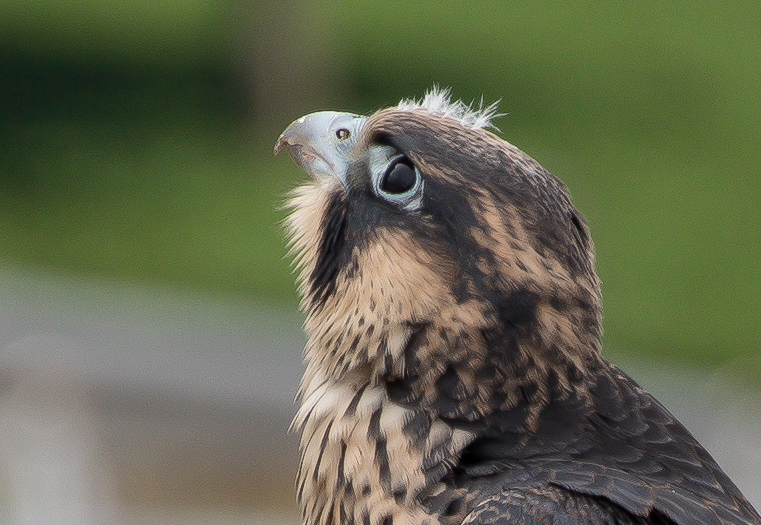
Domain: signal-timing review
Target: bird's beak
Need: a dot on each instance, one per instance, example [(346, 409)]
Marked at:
[(314, 144)]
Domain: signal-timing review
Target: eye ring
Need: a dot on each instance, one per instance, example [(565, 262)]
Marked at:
[(343, 133), (395, 178)]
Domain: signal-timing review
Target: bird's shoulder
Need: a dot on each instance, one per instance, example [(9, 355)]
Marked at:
[(617, 445)]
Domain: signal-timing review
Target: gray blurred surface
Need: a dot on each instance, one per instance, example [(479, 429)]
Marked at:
[(134, 404), (123, 403), (137, 337)]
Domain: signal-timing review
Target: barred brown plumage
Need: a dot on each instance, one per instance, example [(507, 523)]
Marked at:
[(454, 372)]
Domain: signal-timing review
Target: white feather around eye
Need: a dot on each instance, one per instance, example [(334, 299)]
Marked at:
[(438, 101)]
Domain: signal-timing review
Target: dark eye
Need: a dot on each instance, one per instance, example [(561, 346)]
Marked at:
[(400, 177), (343, 133)]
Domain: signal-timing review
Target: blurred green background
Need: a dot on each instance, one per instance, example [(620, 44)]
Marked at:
[(136, 139)]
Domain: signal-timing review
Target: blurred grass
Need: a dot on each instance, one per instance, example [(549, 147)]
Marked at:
[(168, 32), (130, 158), (187, 205)]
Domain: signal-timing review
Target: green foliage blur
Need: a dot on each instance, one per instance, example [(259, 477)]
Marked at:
[(136, 138)]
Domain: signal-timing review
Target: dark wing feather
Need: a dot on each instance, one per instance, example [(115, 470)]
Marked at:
[(626, 448), (553, 506)]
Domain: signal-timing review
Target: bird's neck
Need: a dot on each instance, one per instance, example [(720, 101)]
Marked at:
[(384, 426)]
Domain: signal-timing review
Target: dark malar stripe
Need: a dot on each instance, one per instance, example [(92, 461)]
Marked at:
[(323, 278)]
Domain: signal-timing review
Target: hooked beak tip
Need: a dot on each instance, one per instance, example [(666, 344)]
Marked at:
[(280, 144)]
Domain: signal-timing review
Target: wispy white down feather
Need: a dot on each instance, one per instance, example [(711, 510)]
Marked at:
[(438, 101)]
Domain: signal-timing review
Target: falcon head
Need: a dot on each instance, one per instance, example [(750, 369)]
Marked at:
[(419, 220)]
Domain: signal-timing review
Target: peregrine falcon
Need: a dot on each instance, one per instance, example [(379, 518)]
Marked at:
[(453, 365)]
